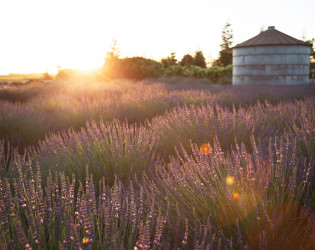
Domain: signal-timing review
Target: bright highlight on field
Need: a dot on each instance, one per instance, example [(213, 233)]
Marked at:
[(236, 196), (205, 149), (230, 180), (85, 240)]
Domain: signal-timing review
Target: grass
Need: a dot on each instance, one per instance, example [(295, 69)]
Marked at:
[(118, 165)]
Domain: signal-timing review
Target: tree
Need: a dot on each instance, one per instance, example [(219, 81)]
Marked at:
[(225, 54), (113, 54), (199, 59), (187, 60), (170, 60), (47, 76), (312, 57), (134, 68)]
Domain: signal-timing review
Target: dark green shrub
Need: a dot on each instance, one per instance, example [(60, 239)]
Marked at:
[(187, 60), (169, 61), (194, 71), (199, 59), (133, 68), (214, 73), (174, 70), (228, 70)]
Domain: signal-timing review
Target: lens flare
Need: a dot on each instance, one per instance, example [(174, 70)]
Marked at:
[(85, 240), (205, 149), (229, 180), (236, 196)]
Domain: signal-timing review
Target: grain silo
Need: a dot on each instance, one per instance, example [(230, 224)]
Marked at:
[(271, 57)]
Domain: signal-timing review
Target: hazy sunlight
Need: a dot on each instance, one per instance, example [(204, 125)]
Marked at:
[(37, 35)]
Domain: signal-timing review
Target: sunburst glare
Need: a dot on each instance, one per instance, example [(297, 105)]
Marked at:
[(236, 196), (205, 149), (230, 180)]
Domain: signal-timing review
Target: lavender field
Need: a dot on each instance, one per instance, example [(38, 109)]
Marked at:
[(154, 165)]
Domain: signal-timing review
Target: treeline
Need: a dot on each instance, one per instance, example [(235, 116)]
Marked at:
[(140, 68), (189, 66)]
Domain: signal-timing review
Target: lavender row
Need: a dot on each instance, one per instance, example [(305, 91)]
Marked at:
[(214, 200), (29, 113)]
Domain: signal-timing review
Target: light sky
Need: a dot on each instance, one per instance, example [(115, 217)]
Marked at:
[(40, 34)]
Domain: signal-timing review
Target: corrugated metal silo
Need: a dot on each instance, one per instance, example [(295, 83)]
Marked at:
[(271, 57)]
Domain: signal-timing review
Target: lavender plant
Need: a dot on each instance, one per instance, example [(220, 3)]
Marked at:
[(257, 199), (28, 113), (56, 216), (201, 124), (211, 168), (108, 149)]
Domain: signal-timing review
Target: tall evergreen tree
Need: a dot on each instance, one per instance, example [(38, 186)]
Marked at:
[(199, 59), (170, 60), (187, 60), (113, 54), (225, 54), (312, 57)]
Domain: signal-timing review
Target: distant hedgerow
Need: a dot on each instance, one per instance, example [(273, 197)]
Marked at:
[(133, 68)]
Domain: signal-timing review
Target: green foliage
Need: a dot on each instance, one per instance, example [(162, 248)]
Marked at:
[(199, 59), (129, 68), (217, 72), (187, 60), (312, 57), (133, 68), (174, 70), (141, 68), (225, 54), (170, 60), (214, 73), (228, 70), (194, 71), (225, 57)]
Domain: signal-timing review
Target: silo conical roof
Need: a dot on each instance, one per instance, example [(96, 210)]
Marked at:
[(271, 37)]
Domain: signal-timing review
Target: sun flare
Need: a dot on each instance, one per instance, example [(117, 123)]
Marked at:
[(205, 149), (236, 196), (230, 180)]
